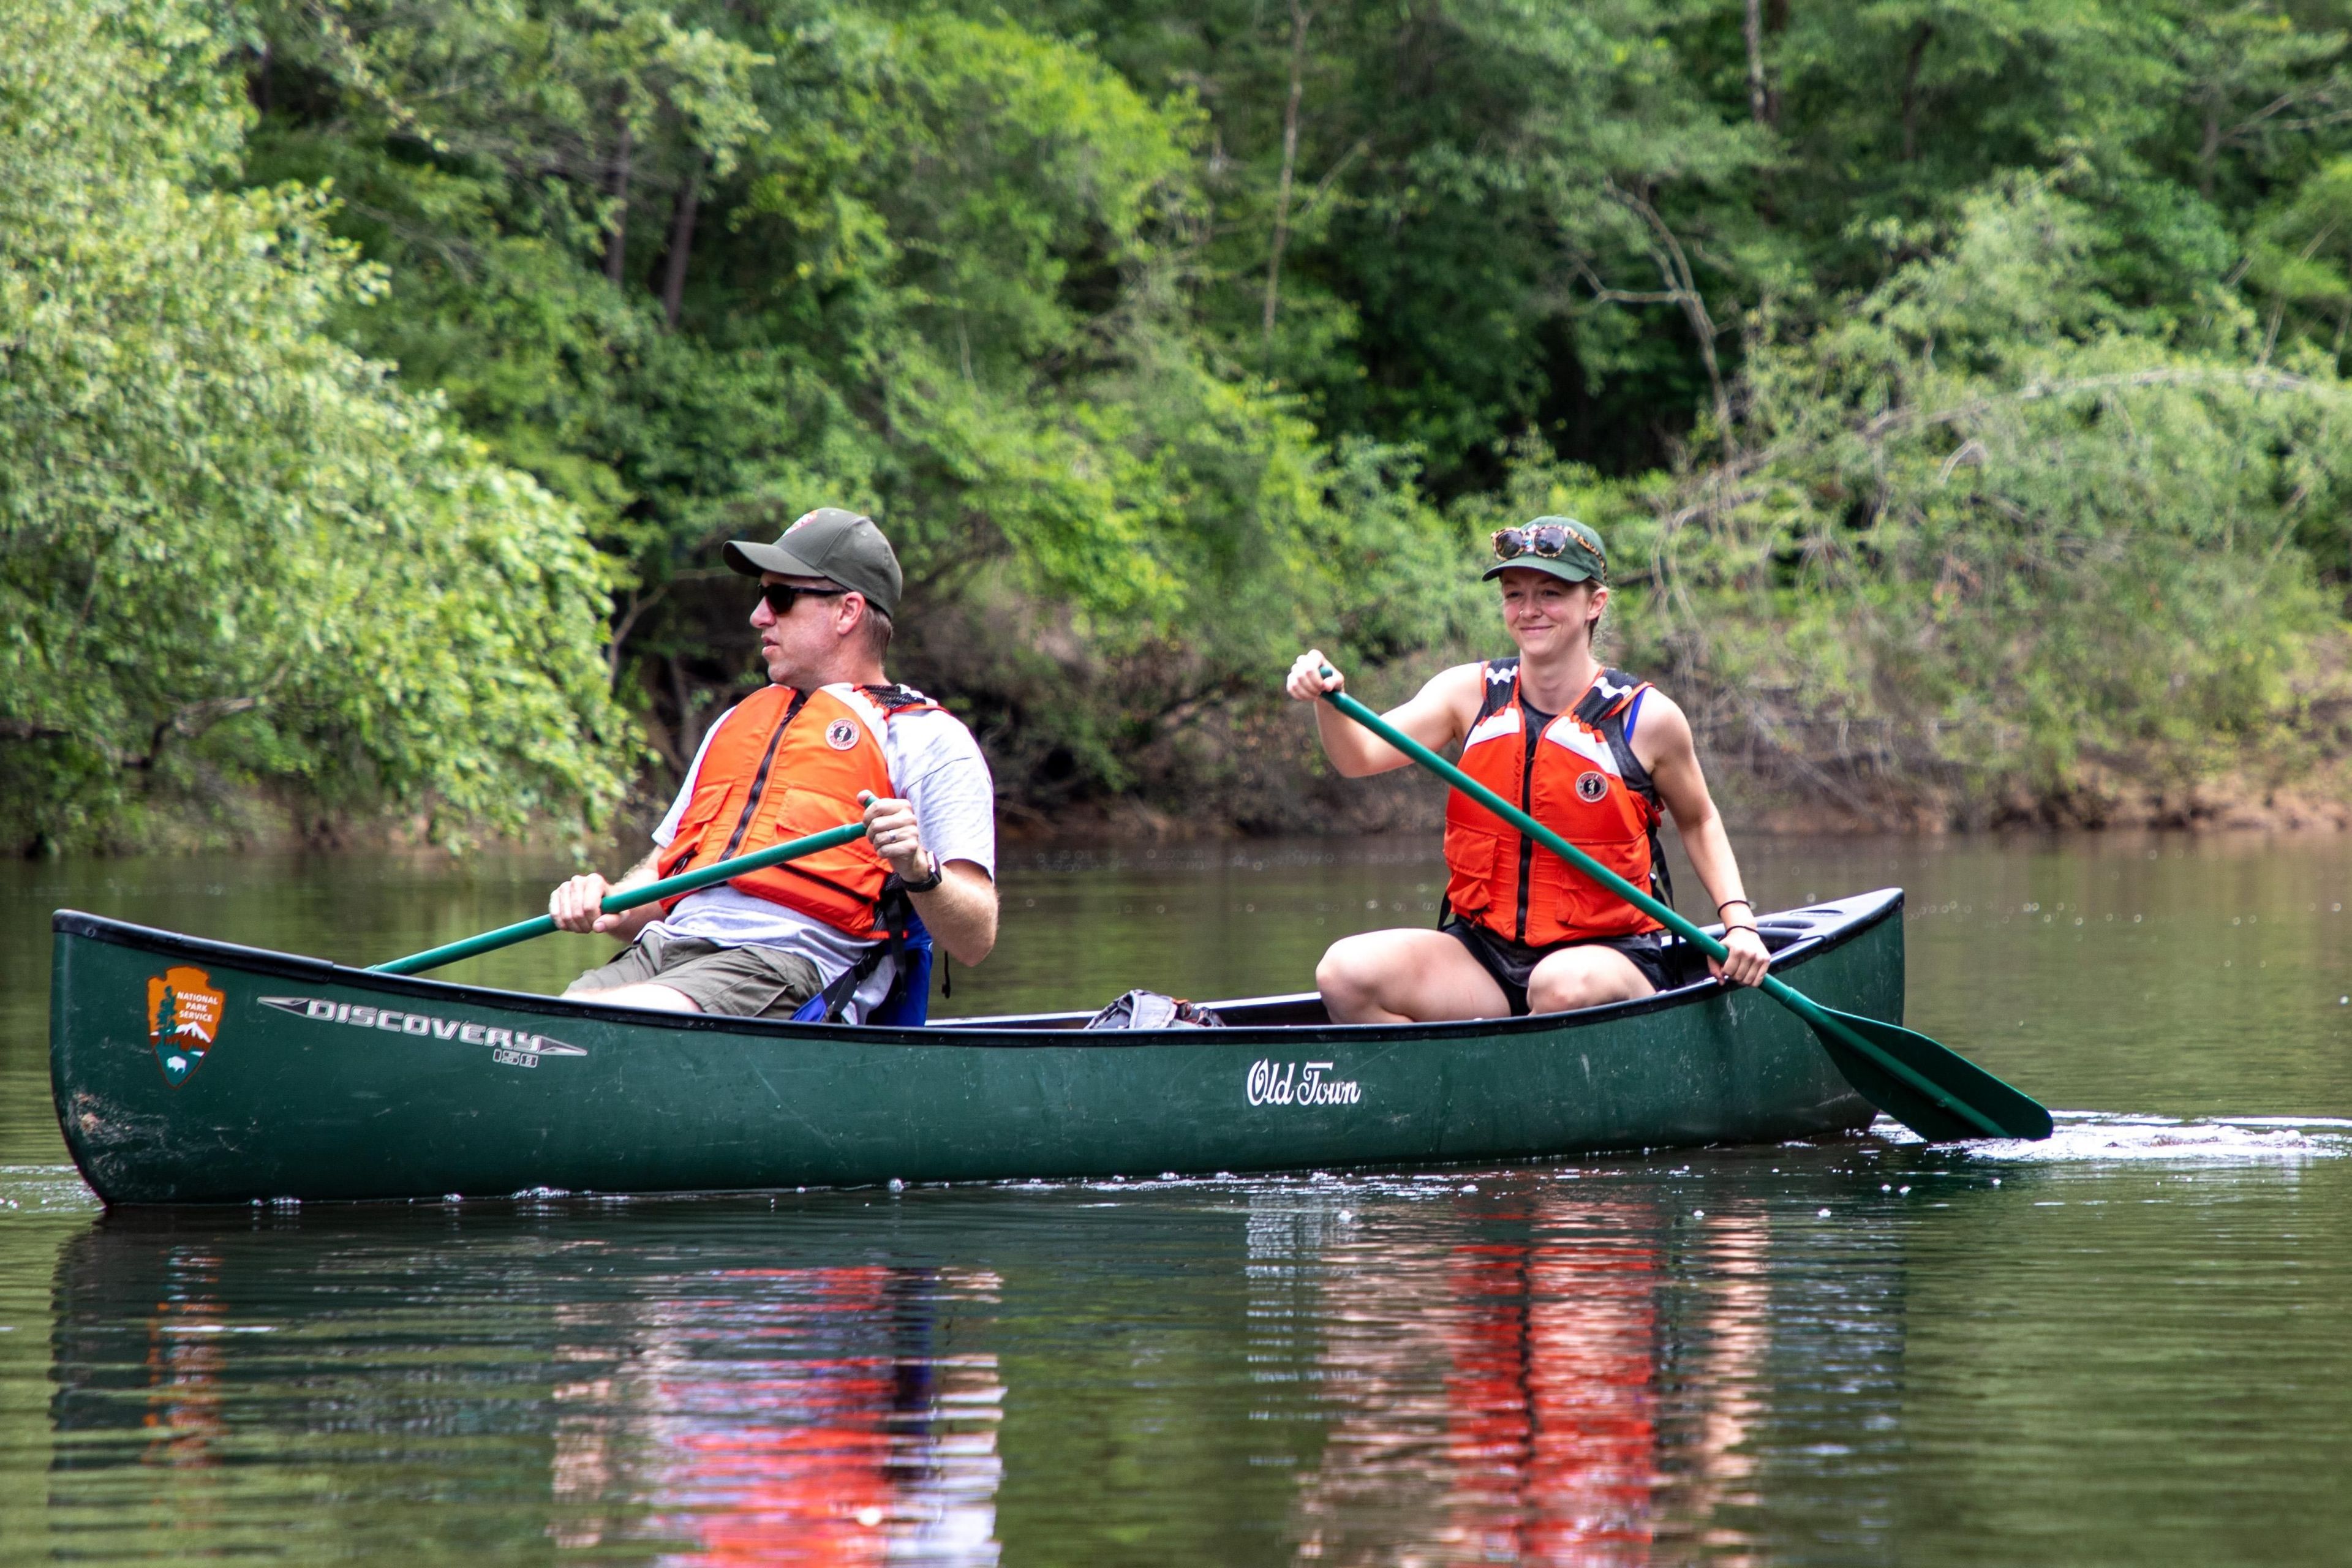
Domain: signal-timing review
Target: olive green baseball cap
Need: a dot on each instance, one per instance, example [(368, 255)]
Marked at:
[(832, 543), (1559, 546)]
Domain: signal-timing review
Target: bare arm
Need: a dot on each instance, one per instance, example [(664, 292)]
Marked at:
[(1438, 716), (1663, 744), (578, 904), (960, 912)]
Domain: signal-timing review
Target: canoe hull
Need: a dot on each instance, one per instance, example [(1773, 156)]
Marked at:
[(305, 1079)]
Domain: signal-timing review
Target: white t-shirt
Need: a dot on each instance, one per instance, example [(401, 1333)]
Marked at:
[(935, 765)]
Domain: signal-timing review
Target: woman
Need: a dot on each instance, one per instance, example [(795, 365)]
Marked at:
[(1589, 752)]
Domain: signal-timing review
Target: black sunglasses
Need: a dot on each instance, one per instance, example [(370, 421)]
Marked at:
[(781, 596)]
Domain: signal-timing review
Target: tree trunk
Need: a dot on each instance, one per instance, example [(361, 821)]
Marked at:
[(1298, 19), (616, 238), (1763, 18), (681, 246), (1911, 90), (690, 739), (1760, 105)]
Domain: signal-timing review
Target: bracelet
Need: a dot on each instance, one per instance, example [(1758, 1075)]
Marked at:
[(1728, 929), (938, 874), (1728, 902)]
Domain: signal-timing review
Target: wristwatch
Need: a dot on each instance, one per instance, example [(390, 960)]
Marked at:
[(938, 874)]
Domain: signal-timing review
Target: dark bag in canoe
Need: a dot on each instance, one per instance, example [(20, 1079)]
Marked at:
[(1151, 1010)]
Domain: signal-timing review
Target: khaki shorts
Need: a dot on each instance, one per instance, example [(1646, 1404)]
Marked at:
[(739, 982)]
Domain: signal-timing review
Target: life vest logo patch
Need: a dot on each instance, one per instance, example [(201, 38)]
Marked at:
[(1591, 786), (841, 734), (184, 1018)]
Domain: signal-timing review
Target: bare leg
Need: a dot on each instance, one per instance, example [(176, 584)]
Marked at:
[(645, 994), (1405, 977), (1584, 978)]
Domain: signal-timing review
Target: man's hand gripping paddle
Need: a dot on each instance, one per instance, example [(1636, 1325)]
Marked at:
[(625, 898), (1934, 1091)]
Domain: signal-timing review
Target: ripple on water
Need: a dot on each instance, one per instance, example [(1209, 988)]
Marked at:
[(52, 1189), (2090, 1137)]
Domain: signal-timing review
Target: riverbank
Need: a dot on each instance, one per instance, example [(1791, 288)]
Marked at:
[(1254, 769), (1273, 786)]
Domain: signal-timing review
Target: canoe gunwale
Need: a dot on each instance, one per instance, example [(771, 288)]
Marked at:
[(1857, 914)]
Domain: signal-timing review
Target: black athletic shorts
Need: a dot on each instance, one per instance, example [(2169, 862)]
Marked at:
[(1510, 963)]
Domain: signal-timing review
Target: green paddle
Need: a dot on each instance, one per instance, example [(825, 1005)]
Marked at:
[(1935, 1092), (669, 887)]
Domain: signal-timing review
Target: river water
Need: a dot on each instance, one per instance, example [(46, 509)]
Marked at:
[(2126, 1346)]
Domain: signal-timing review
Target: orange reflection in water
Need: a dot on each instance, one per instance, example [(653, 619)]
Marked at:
[(1501, 1400), (184, 1367), (1554, 1429), (801, 1417)]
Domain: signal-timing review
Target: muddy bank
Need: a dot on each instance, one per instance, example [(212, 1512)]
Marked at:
[(1240, 774), (1260, 774)]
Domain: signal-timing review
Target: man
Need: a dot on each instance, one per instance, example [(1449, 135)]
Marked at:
[(829, 742), (1589, 752)]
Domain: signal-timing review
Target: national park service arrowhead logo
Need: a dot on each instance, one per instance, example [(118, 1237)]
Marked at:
[(183, 1017)]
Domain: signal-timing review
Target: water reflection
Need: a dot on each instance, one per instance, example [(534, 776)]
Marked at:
[(1815, 1355), (731, 1414), (1537, 1441), (1574, 1381), (799, 1415), (183, 1365), (1562, 1368)]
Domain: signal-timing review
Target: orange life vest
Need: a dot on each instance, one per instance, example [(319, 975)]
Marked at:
[(784, 764), (1577, 776)]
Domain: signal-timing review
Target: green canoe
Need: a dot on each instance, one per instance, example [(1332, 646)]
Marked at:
[(190, 1071)]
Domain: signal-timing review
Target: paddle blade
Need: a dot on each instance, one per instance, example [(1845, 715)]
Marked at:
[(1941, 1113)]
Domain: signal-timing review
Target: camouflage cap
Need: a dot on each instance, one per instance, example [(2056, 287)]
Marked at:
[(1559, 546)]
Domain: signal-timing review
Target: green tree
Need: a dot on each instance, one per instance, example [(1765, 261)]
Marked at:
[(1984, 539), (942, 275), (232, 554), (1959, 378)]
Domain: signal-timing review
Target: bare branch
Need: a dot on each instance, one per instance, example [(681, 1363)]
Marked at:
[(1323, 186), (187, 723), (1682, 288), (638, 605), (1607, 295)]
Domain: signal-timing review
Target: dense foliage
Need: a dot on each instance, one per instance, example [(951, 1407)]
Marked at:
[(234, 556), (1958, 381)]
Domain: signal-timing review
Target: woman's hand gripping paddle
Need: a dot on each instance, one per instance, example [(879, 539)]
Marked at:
[(627, 898), (1935, 1092)]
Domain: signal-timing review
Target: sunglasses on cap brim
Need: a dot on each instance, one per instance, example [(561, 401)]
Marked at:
[(1547, 542)]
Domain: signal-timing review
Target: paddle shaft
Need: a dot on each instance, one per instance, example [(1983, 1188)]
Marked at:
[(627, 899), (1773, 986)]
